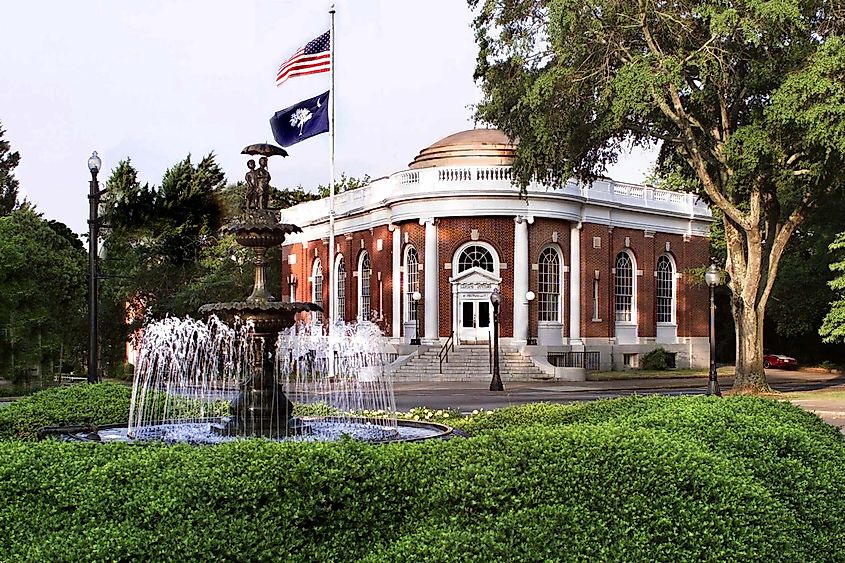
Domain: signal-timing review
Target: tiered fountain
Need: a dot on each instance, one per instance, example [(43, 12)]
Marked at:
[(253, 355), (262, 408)]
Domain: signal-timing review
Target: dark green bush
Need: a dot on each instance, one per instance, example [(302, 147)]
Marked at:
[(98, 404), (656, 360), (636, 479)]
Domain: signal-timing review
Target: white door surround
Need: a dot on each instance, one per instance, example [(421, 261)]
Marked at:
[(472, 312)]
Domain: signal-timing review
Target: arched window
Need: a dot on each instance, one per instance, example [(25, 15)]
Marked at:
[(340, 291), (412, 282), (549, 286), (317, 288), (624, 288), (476, 255), (364, 273), (665, 290)]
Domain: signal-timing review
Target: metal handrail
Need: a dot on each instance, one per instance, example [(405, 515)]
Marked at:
[(444, 351), (589, 360)]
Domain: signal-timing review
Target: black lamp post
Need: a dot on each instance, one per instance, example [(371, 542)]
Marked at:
[(496, 300), (94, 194), (416, 296), (712, 279), (529, 297)]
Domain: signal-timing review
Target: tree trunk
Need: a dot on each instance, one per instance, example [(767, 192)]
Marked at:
[(750, 377)]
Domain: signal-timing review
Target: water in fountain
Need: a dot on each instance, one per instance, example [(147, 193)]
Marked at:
[(189, 371), (343, 370)]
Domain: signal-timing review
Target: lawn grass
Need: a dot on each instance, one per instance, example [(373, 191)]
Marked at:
[(654, 374), (835, 394)]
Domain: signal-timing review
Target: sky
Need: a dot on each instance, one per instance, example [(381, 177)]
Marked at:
[(157, 80)]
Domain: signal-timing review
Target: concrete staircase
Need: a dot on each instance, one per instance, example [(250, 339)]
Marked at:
[(467, 363)]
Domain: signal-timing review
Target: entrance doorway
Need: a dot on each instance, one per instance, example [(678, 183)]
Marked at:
[(476, 320)]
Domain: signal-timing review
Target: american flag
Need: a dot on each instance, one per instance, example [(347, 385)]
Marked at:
[(315, 57)]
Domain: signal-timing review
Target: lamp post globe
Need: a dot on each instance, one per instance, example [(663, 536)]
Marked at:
[(416, 296), (712, 278), (496, 301), (94, 165)]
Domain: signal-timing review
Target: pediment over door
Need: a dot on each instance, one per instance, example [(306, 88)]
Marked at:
[(475, 278)]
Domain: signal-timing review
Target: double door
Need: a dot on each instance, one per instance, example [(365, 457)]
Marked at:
[(476, 322)]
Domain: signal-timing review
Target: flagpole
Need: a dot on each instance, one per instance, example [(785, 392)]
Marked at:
[(332, 272)]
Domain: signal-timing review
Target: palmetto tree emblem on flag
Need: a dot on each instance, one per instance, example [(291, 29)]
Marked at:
[(299, 118), (301, 121)]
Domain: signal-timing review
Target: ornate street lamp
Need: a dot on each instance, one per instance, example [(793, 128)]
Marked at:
[(496, 300), (94, 193), (529, 296), (712, 278), (416, 296)]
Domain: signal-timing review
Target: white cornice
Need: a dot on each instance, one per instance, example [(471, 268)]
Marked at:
[(434, 192)]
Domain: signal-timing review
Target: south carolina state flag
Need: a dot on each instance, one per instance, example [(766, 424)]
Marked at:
[(301, 121)]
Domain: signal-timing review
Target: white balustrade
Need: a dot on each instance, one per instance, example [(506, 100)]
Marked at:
[(412, 177), (454, 175)]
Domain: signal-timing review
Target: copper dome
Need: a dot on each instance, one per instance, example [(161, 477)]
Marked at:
[(474, 147)]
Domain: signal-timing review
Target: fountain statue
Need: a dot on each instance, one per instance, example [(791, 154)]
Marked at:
[(262, 408)]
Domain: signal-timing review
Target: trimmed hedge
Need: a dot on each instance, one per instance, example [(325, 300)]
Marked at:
[(81, 404), (635, 479)]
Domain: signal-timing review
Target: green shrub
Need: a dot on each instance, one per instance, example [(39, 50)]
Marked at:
[(80, 404), (127, 372), (656, 360), (634, 479)]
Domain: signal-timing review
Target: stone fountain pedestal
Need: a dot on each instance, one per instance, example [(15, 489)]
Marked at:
[(261, 408)]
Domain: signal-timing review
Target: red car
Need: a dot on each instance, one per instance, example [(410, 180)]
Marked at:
[(779, 361)]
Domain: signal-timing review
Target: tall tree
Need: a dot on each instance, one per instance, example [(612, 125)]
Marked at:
[(833, 328), (747, 99), (8, 183), (42, 293)]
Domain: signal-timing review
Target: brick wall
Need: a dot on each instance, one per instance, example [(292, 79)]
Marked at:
[(454, 233), (691, 303), (541, 234)]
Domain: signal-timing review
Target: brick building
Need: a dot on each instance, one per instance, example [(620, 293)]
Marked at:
[(604, 267)]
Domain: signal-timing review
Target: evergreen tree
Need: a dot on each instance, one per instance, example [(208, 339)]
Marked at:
[(8, 183)]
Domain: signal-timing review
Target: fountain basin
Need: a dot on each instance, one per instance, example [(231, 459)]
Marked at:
[(208, 432)]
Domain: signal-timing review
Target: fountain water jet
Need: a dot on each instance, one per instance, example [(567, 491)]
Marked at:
[(253, 355)]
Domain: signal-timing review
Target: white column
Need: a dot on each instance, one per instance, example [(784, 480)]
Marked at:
[(396, 318), (520, 278), (431, 286), (575, 285)]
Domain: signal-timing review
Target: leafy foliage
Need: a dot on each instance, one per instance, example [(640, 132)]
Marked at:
[(8, 183), (657, 479), (344, 184), (833, 329), (42, 302), (746, 99), (81, 404), (657, 359), (163, 252)]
